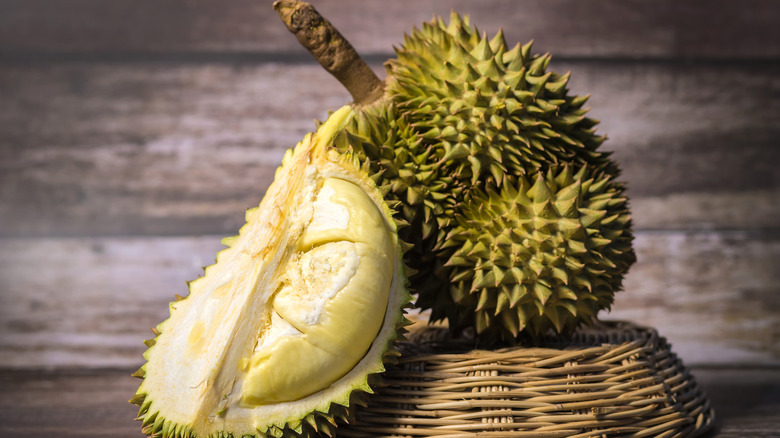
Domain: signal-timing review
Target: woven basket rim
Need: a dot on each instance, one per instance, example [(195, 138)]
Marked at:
[(439, 339), (610, 379)]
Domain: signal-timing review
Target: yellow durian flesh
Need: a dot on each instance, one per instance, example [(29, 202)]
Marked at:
[(293, 317), (332, 301)]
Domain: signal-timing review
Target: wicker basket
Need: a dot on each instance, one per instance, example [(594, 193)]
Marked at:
[(609, 380)]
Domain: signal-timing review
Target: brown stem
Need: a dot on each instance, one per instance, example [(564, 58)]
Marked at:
[(331, 50)]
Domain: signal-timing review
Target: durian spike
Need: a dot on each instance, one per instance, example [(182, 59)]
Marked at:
[(331, 50)]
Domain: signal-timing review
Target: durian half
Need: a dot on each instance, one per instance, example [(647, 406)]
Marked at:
[(294, 319)]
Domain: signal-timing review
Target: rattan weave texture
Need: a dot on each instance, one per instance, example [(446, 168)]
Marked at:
[(609, 380)]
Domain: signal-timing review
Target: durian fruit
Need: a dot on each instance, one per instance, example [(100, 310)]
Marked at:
[(539, 251), (460, 123), (292, 324)]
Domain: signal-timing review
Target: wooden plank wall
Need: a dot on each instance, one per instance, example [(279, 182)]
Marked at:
[(134, 133)]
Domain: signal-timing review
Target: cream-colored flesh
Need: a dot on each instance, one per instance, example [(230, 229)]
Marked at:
[(283, 314), (335, 294)]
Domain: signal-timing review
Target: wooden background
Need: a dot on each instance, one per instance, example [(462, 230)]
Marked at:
[(134, 134)]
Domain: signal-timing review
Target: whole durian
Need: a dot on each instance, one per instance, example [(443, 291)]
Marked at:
[(515, 220), (294, 321)]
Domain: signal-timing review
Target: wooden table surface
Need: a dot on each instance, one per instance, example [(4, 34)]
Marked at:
[(73, 403), (93, 402)]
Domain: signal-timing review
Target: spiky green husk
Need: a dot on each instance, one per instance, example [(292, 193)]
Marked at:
[(464, 115), (549, 252), (487, 112)]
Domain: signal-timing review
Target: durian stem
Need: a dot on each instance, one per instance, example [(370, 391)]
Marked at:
[(331, 50)]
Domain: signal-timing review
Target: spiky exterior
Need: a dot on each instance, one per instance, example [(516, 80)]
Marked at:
[(465, 115), (486, 112), (549, 252)]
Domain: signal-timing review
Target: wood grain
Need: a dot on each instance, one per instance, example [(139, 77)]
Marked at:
[(89, 302), (128, 149), (69, 404), (73, 404), (33, 29), (715, 296)]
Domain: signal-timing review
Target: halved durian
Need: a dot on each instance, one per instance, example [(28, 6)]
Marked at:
[(295, 316)]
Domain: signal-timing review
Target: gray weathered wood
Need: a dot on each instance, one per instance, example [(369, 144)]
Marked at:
[(184, 149), (601, 28), (89, 302), (715, 296), (73, 404)]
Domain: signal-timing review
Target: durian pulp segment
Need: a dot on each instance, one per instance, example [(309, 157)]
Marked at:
[(333, 298), (284, 323)]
